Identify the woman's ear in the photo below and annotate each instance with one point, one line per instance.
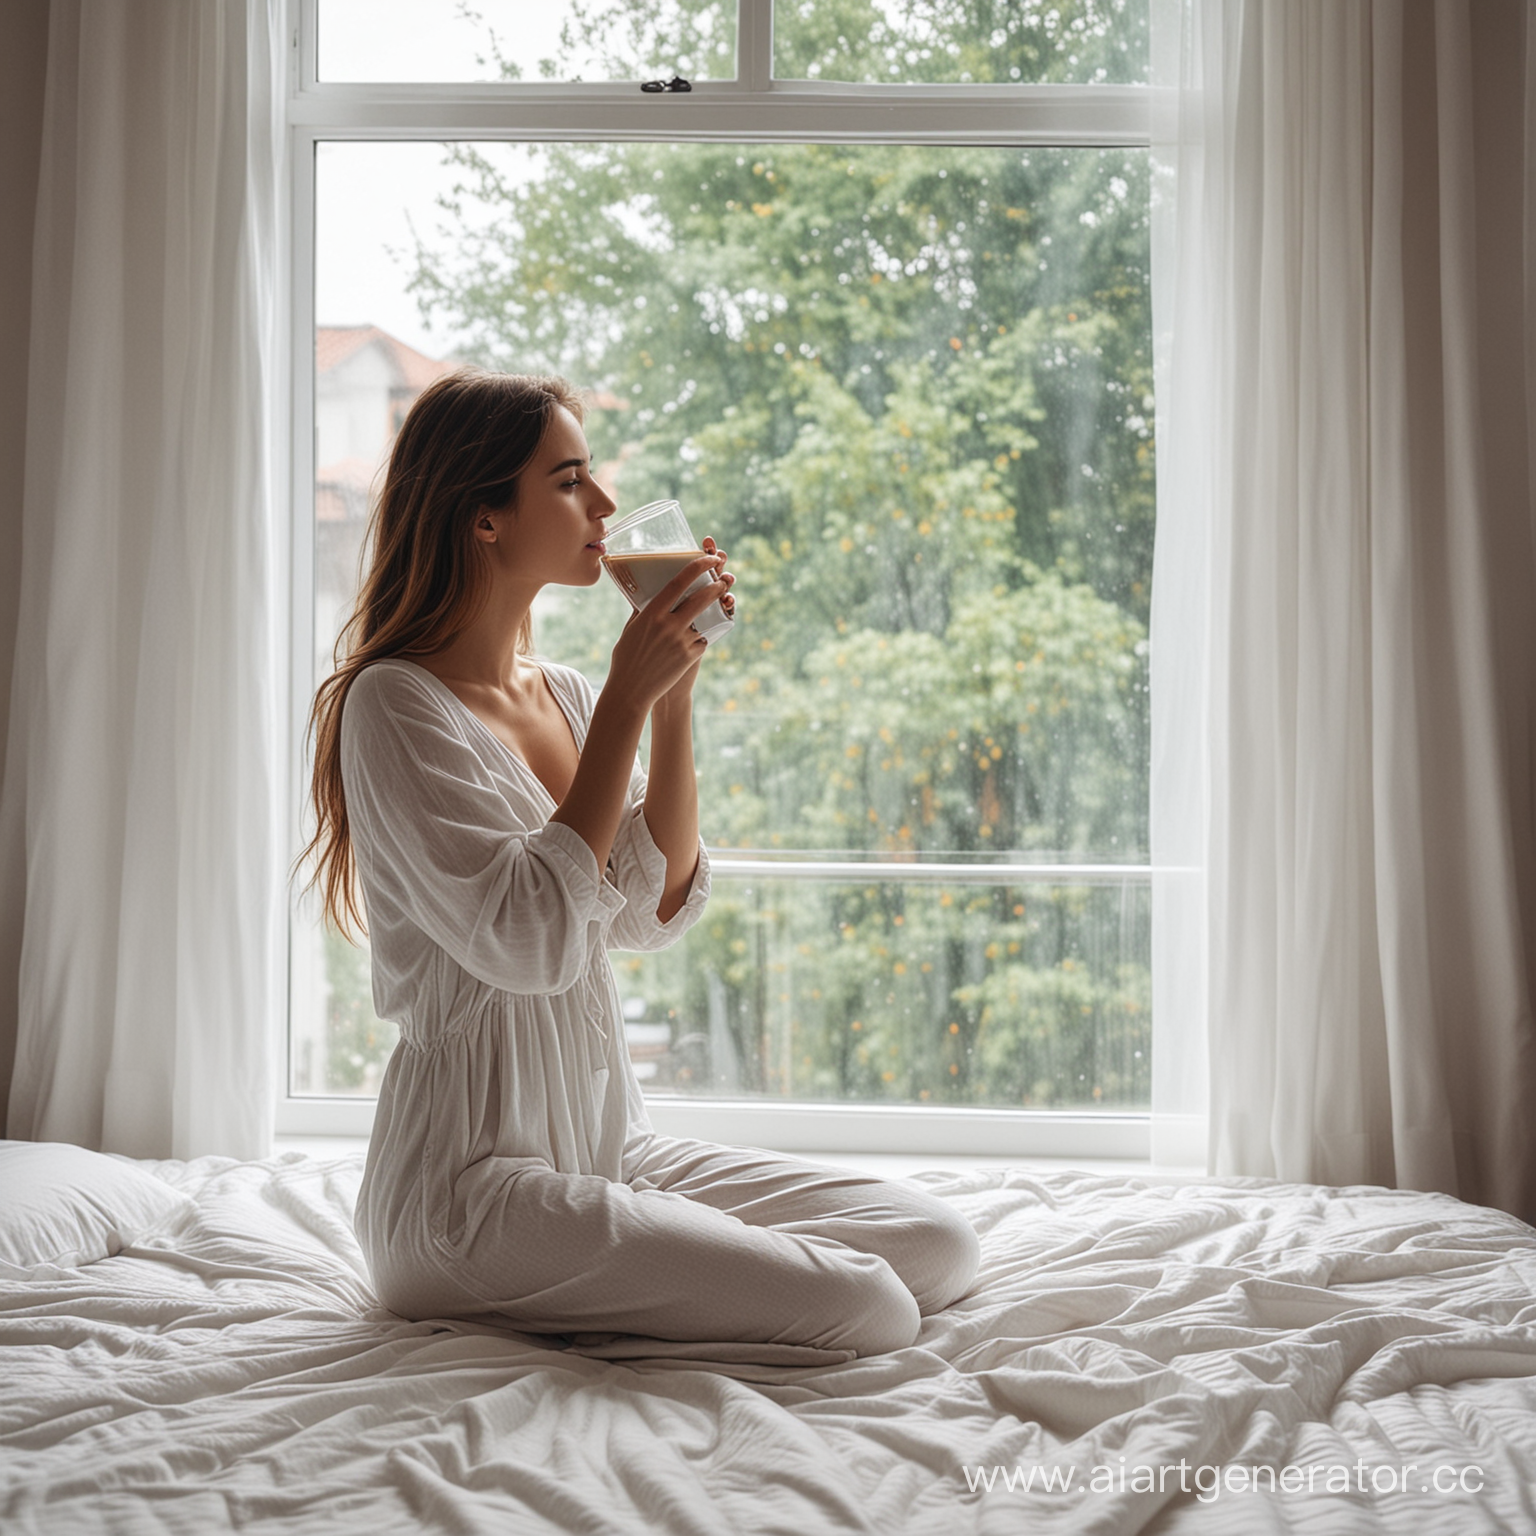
(485, 528)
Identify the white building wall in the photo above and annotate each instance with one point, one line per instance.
(352, 407)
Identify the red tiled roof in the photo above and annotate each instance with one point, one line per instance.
(334, 344)
(352, 473)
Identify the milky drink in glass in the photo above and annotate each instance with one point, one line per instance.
(645, 550)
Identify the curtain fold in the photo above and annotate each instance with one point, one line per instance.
(1347, 452)
(142, 822)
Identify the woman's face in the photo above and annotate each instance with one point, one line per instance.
(554, 533)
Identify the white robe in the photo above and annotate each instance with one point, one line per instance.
(513, 1168)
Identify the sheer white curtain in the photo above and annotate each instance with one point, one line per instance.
(1343, 278)
(142, 840)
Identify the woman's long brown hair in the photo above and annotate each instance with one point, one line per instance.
(461, 449)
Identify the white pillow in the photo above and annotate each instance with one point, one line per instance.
(63, 1206)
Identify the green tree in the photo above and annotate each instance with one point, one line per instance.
(356, 1041)
(984, 41)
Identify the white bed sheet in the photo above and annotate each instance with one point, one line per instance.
(241, 1377)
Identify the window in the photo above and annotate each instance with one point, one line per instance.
(876, 313)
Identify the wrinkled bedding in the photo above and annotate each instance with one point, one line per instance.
(1370, 1352)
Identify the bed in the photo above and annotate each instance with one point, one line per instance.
(193, 1347)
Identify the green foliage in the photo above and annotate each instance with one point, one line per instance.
(661, 38)
(357, 1042)
(985, 41)
(891, 992)
(797, 334)
(909, 389)
(1064, 1035)
(874, 41)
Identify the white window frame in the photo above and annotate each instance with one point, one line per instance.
(753, 108)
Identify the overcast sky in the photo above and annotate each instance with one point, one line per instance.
(366, 195)
(436, 40)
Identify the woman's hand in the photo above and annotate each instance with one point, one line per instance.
(659, 650)
(654, 663)
(656, 650)
(671, 794)
(728, 602)
(680, 694)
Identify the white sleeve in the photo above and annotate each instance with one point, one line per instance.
(640, 872)
(516, 906)
(639, 867)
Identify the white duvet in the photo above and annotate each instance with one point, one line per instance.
(1130, 1356)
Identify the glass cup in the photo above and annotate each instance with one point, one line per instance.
(645, 550)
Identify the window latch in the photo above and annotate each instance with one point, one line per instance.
(676, 83)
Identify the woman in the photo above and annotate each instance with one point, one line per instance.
(492, 812)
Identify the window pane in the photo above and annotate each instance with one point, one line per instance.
(910, 390)
(1078, 42)
(884, 990)
(421, 41)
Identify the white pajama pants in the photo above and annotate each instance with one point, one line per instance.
(705, 1243)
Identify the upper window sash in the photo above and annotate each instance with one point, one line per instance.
(754, 107)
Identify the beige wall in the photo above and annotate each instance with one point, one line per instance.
(23, 60)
